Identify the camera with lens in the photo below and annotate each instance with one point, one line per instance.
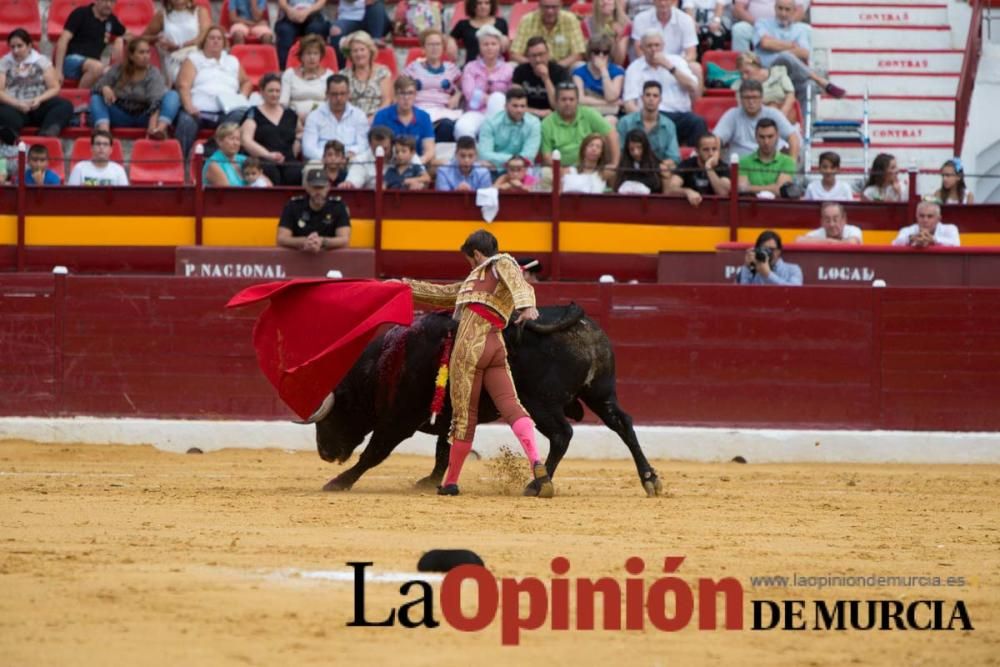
(762, 253)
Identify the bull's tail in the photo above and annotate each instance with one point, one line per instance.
(570, 315)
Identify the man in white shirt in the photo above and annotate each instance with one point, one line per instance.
(99, 169)
(929, 230)
(737, 128)
(337, 119)
(746, 13)
(678, 30)
(678, 83)
(833, 227)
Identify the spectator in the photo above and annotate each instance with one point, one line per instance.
(512, 132)
(783, 41)
(609, 18)
(953, 189)
(479, 13)
(335, 164)
(516, 176)
(833, 227)
(337, 119)
(38, 172)
(296, 19)
(711, 23)
(599, 80)
(928, 230)
(357, 15)
(766, 169)
(748, 12)
(99, 169)
(778, 91)
(224, 167)
(639, 165)
(704, 173)
(4, 170)
(134, 94)
(87, 31)
(176, 29)
(484, 82)
(659, 129)
(539, 77)
(253, 174)
(738, 126)
(314, 222)
(561, 30)
(213, 88)
(403, 118)
(249, 17)
(303, 88)
(29, 90)
(635, 7)
(361, 173)
(270, 133)
(764, 265)
(406, 171)
(883, 180)
(829, 188)
(462, 174)
(678, 84)
(591, 173)
(370, 82)
(413, 17)
(566, 129)
(678, 36)
(438, 89)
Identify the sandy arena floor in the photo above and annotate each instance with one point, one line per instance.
(116, 555)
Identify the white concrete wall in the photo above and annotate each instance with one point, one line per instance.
(981, 149)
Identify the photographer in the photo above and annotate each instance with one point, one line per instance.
(764, 265)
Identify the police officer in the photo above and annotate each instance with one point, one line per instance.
(314, 222)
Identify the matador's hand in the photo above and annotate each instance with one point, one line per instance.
(529, 313)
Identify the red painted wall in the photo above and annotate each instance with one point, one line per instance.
(923, 359)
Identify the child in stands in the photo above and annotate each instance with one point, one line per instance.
(517, 178)
(406, 171)
(829, 188)
(253, 174)
(883, 180)
(953, 189)
(38, 172)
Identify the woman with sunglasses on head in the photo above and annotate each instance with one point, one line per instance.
(599, 80)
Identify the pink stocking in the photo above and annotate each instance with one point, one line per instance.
(456, 457)
(524, 429)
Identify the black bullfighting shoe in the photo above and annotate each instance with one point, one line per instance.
(448, 490)
(545, 487)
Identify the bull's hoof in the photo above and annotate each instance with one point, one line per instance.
(532, 489)
(429, 483)
(545, 487)
(336, 484)
(652, 485)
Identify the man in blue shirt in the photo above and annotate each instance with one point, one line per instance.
(405, 119)
(659, 129)
(462, 174)
(764, 265)
(511, 132)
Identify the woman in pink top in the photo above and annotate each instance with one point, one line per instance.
(438, 91)
(484, 83)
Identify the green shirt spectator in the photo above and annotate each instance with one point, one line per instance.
(566, 136)
(765, 172)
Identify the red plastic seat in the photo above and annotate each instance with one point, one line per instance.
(59, 11)
(257, 60)
(457, 15)
(387, 56)
(57, 159)
(712, 108)
(20, 14)
(226, 23)
(156, 163)
(329, 58)
(518, 12)
(582, 9)
(81, 151)
(80, 98)
(135, 15)
(724, 59)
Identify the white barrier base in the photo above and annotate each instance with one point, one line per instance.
(595, 442)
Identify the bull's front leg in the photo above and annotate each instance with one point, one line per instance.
(379, 447)
(441, 450)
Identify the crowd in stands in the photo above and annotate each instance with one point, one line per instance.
(616, 89)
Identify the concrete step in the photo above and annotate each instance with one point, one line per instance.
(924, 156)
(887, 108)
(852, 37)
(941, 132)
(878, 14)
(914, 85)
(912, 61)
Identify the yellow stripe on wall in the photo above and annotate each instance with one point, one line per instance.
(8, 230)
(260, 232)
(450, 234)
(608, 237)
(89, 230)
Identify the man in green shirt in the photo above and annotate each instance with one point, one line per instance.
(566, 129)
(766, 170)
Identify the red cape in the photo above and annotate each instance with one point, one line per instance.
(315, 329)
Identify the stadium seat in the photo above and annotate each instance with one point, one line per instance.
(81, 151)
(135, 15)
(387, 56)
(80, 97)
(329, 58)
(712, 108)
(156, 163)
(402, 41)
(582, 9)
(57, 159)
(226, 23)
(457, 15)
(59, 11)
(20, 14)
(257, 60)
(724, 59)
(517, 12)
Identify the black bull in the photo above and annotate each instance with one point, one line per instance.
(559, 361)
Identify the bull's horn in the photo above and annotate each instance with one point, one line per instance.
(321, 412)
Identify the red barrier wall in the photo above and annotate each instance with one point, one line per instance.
(921, 359)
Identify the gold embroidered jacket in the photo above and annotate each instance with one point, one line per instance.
(498, 283)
